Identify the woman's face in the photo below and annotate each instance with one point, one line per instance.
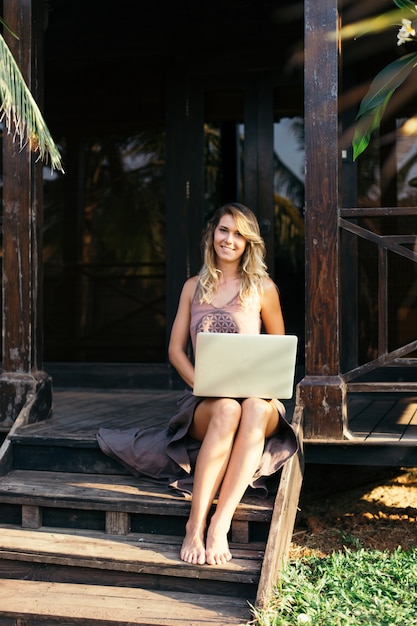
(229, 244)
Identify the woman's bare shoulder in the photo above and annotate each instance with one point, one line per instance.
(269, 286)
(190, 286)
(271, 312)
(270, 293)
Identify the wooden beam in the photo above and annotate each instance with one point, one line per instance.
(22, 226)
(322, 392)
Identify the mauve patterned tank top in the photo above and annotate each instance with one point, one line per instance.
(230, 318)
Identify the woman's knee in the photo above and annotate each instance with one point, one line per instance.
(259, 413)
(221, 414)
(226, 414)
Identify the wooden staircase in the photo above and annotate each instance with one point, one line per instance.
(83, 542)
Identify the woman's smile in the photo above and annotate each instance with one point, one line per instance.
(228, 242)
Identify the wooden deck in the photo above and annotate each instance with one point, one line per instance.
(81, 412)
(388, 417)
(381, 428)
(88, 396)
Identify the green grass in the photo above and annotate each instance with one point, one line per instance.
(349, 588)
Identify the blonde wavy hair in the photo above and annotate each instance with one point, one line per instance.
(252, 264)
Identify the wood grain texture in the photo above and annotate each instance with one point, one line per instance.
(67, 604)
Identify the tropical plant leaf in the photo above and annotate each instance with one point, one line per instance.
(373, 105)
(405, 4)
(387, 80)
(3, 23)
(366, 125)
(375, 24)
(21, 113)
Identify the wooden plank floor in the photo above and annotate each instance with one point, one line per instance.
(385, 416)
(80, 413)
(84, 411)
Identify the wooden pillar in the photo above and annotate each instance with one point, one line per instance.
(258, 159)
(349, 244)
(22, 229)
(184, 184)
(322, 393)
(72, 254)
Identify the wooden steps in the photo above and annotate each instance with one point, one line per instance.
(138, 561)
(115, 504)
(30, 603)
(140, 571)
(84, 542)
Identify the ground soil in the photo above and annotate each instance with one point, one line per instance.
(355, 507)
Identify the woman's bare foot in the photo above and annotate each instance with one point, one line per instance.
(193, 550)
(217, 546)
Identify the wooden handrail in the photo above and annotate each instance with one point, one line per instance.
(283, 516)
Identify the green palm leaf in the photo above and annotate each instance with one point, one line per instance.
(375, 24)
(406, 4)
(21, 113)
(367, 123)
(373, 105)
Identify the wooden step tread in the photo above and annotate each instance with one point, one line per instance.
(67, 440)
(110, 493)
(54, 604)
(372, 440)
(147, 554)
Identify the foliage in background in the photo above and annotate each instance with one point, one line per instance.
(21, 113)
(346, 589)
(391, 77)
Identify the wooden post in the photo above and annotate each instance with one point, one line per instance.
(22, 229)
(322, 393)
(258, 159)
(184, 184)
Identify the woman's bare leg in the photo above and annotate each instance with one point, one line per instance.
(259, 420)
(215, 424)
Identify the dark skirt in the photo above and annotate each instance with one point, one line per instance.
(169, 454)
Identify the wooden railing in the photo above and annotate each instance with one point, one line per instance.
(385, 243)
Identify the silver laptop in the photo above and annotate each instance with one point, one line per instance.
(229, 365)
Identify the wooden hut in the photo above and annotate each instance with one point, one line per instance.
(184, 98)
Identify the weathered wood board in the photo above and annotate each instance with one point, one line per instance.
(33, 602)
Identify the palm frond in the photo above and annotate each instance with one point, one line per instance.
(7, 27)
(405, 4)
(376, 24)
(21, 113)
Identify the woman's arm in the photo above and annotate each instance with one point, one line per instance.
(271, 312)
(180, 333)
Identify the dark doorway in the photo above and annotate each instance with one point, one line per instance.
(162, 115)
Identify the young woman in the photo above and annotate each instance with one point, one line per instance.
(222, 445)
